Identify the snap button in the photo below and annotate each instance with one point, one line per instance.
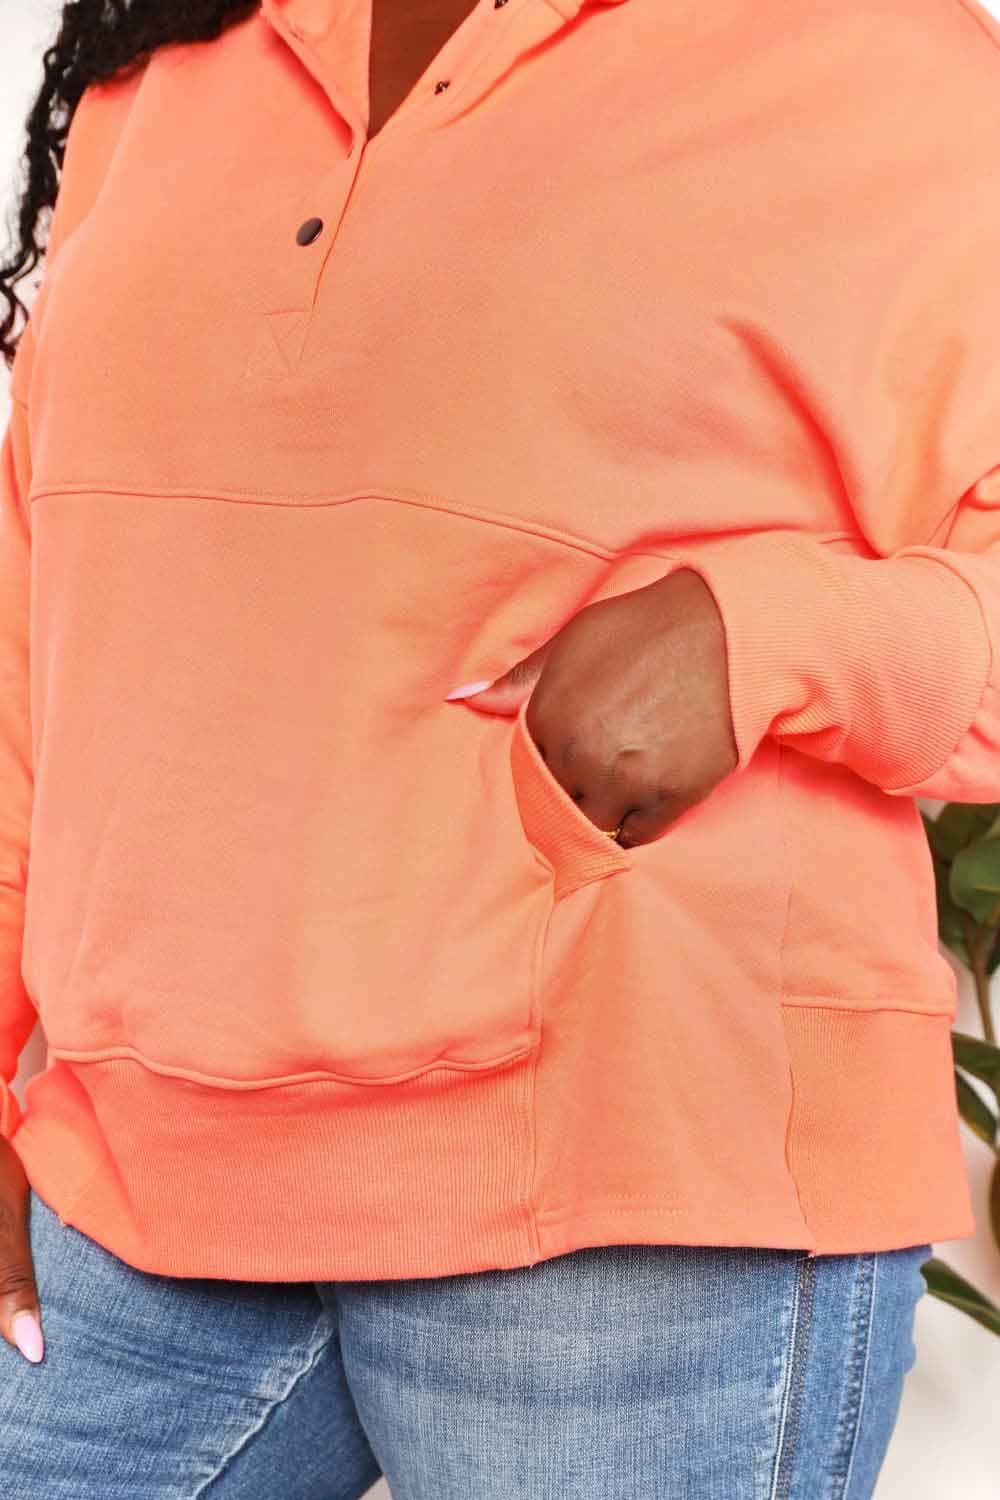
(443, 84)
(308, 231)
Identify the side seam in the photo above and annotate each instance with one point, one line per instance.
(790, 876)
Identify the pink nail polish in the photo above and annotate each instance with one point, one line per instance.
(468, 688)
(28, 1336)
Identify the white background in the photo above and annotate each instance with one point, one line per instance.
(945, 1444)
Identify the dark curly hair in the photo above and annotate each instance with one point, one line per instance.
(97, 40)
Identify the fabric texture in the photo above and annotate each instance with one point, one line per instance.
(607, 1373)
(336, 979)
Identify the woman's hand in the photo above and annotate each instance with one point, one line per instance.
(629, 704)
(18, 1292)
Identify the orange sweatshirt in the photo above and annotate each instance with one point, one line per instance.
(336, 979)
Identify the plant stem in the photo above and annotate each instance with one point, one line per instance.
(979, 941)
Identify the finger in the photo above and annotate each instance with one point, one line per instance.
(630, 825)
(640, 814)
(612, 792)
(650, 821)
(20, 1311)
(506, 694)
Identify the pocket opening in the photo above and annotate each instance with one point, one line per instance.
(575, 849)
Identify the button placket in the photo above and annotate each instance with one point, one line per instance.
(463, 51)
(444, 83)
(473, 54)
(527, 24)
(296, 258)
(281, 341)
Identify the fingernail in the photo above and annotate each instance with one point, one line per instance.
(468, 688)
(28, 1336)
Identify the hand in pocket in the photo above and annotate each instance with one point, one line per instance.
(628, 704)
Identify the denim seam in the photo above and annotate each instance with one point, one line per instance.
(795, 1386)
(869, 1321)
(272, 1406)
(849, 1423)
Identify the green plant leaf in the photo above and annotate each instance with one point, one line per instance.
(951, 920)
(957, 825)
(945, 1283)
(975, 1111)
(974, 880)
(939, 844)
(993, 962)
(978, 1057)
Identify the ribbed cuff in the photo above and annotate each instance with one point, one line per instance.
(877, 662)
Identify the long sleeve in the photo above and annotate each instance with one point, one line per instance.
(93, 132)
(871, 635)
(17, 1013)
(888, 665)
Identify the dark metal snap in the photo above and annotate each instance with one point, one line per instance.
(308, 231)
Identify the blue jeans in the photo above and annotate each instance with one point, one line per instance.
(624, 1372)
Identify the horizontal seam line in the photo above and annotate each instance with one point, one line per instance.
(215, 1080)
(676, 550)
(821, 1002)
(245, 497)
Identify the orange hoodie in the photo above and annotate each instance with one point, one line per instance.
(336, 979)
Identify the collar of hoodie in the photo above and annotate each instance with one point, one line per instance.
(333, 42)
(323, 19)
